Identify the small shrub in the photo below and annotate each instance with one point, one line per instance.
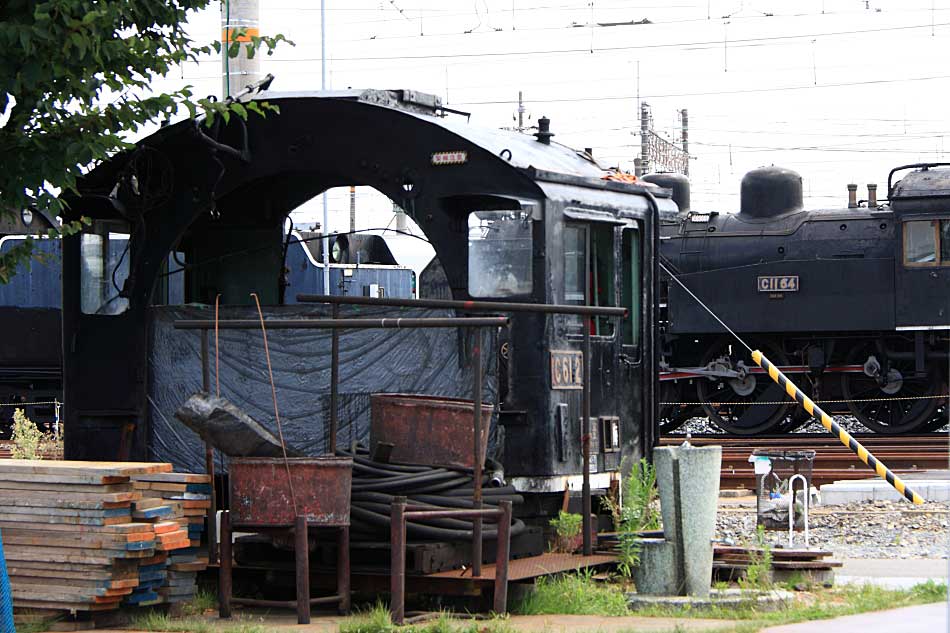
(637, 512)
(758, 575)
(27, 439)
(568, 527)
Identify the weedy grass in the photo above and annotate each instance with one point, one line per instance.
(573, 594)
(153, 620)
(203, 601)
(376, 620)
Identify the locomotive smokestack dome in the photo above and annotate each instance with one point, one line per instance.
(677, 182)
(768, 192)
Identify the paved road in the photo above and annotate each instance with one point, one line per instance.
(927, 618)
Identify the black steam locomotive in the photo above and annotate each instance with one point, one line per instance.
(853, 303)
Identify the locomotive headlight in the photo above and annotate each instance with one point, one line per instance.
(336, 251)
(27, 216)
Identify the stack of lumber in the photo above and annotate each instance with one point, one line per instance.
(78, 535)
(176, 503)
(808, 565)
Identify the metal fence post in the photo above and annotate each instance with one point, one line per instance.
(397, 572)
(502, 549)
(302, 559)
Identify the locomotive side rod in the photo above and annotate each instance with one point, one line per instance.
(831, 426)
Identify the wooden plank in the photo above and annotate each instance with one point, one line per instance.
(159, 486)
(63, 495)
(80, 468)
(7, 511)
(62, 520)
(178, 478)
(63, 480)
(91, 574)
(53, 487)
(20, 580)
(88, 541)
(71, 606)
(125, 527)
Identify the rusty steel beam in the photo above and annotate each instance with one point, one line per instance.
(302, 560)
(472, 306)
(477, 461)
(344, 324)
(397, 569)
(334, 383)
(224, 571)
(209, 451)
(585, 446)
(502, 554)
(343, 569)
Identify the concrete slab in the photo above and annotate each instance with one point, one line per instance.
(891, 573)
(928, 618)
(931, 485)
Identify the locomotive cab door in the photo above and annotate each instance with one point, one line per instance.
(923, 274)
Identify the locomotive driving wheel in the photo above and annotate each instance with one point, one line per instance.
(750, 403)
(889, 396)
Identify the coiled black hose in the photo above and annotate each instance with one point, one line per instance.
(376, 485)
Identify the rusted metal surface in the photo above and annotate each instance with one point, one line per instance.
(470, 306)
(445, 424)
(532, 567)
(302, 558)
(399, 513)
(478, 451)
(224, 571)
(265, 490)
(344, 324)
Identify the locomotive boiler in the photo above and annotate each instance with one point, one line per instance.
(853, 303)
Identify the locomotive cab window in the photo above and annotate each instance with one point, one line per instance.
(631, 290)
(927, 243)
(589, 270)
(104, 253)
(499, 253)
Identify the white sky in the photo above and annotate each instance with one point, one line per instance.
(839, 90)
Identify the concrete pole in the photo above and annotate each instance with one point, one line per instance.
(685, 122)
(645, 138)
(521, 111)
(323, 86)
(352, 209)
(240, 20)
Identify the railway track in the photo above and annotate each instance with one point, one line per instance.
(833, 461)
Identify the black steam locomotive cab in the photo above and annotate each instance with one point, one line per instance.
(921, 205)
(852, 301)
(510, 216)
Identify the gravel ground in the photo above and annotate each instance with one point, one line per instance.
(872, 529)
(697, 426)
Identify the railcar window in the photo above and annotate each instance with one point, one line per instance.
(945, 242)
(575, 266)
(589, 271)
(499, 253)
(920, 243)
(105, 267)
(631, 290)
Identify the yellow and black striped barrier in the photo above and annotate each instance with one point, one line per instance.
(815, 411)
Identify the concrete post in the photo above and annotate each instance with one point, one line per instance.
(688, 483)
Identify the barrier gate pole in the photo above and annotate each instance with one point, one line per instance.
(815, 411)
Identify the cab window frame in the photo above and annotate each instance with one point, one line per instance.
(569, 295)
(939, 248)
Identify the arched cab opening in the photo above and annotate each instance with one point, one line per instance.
(497, 207)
